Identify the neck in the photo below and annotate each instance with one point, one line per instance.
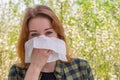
(49, 67)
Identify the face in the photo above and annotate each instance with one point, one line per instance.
(41, 26)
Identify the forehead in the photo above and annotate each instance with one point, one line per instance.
(39, 23)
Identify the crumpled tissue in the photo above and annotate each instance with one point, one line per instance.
(57, 46)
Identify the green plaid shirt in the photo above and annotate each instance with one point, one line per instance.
(77, 69)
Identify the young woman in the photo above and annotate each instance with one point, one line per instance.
(41, 20)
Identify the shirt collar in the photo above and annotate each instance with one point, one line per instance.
(59, 70)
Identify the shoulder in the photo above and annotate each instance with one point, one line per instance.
(80, 68)
(13, 70)
(15, 67)
(78, 62)
(16, 71)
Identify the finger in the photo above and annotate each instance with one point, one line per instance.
(49, 51)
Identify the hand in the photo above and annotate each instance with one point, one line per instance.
(39, 57)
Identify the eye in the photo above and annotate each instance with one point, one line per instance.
(48, 33)
(34, 34)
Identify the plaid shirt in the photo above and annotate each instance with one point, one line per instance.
(77, 69)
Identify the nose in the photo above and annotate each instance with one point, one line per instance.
(41, 34)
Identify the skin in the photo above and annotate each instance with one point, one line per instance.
(40, 26)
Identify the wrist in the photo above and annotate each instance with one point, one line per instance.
(35, 67)
(33, 72)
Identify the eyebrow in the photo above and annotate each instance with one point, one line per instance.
(36, 30)
(48, 29)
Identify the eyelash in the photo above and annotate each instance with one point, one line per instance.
(35, 34)
(48, 33)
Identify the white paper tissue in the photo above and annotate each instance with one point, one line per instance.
(57, 46)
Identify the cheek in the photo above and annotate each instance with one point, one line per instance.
(53, 35)
(29, 37)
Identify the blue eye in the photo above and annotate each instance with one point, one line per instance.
(48, 33)
(34, 34)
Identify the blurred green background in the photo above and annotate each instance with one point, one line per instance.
(92, 28)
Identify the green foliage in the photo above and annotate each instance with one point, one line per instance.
(92, 28)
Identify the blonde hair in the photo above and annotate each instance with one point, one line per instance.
(44, 11)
